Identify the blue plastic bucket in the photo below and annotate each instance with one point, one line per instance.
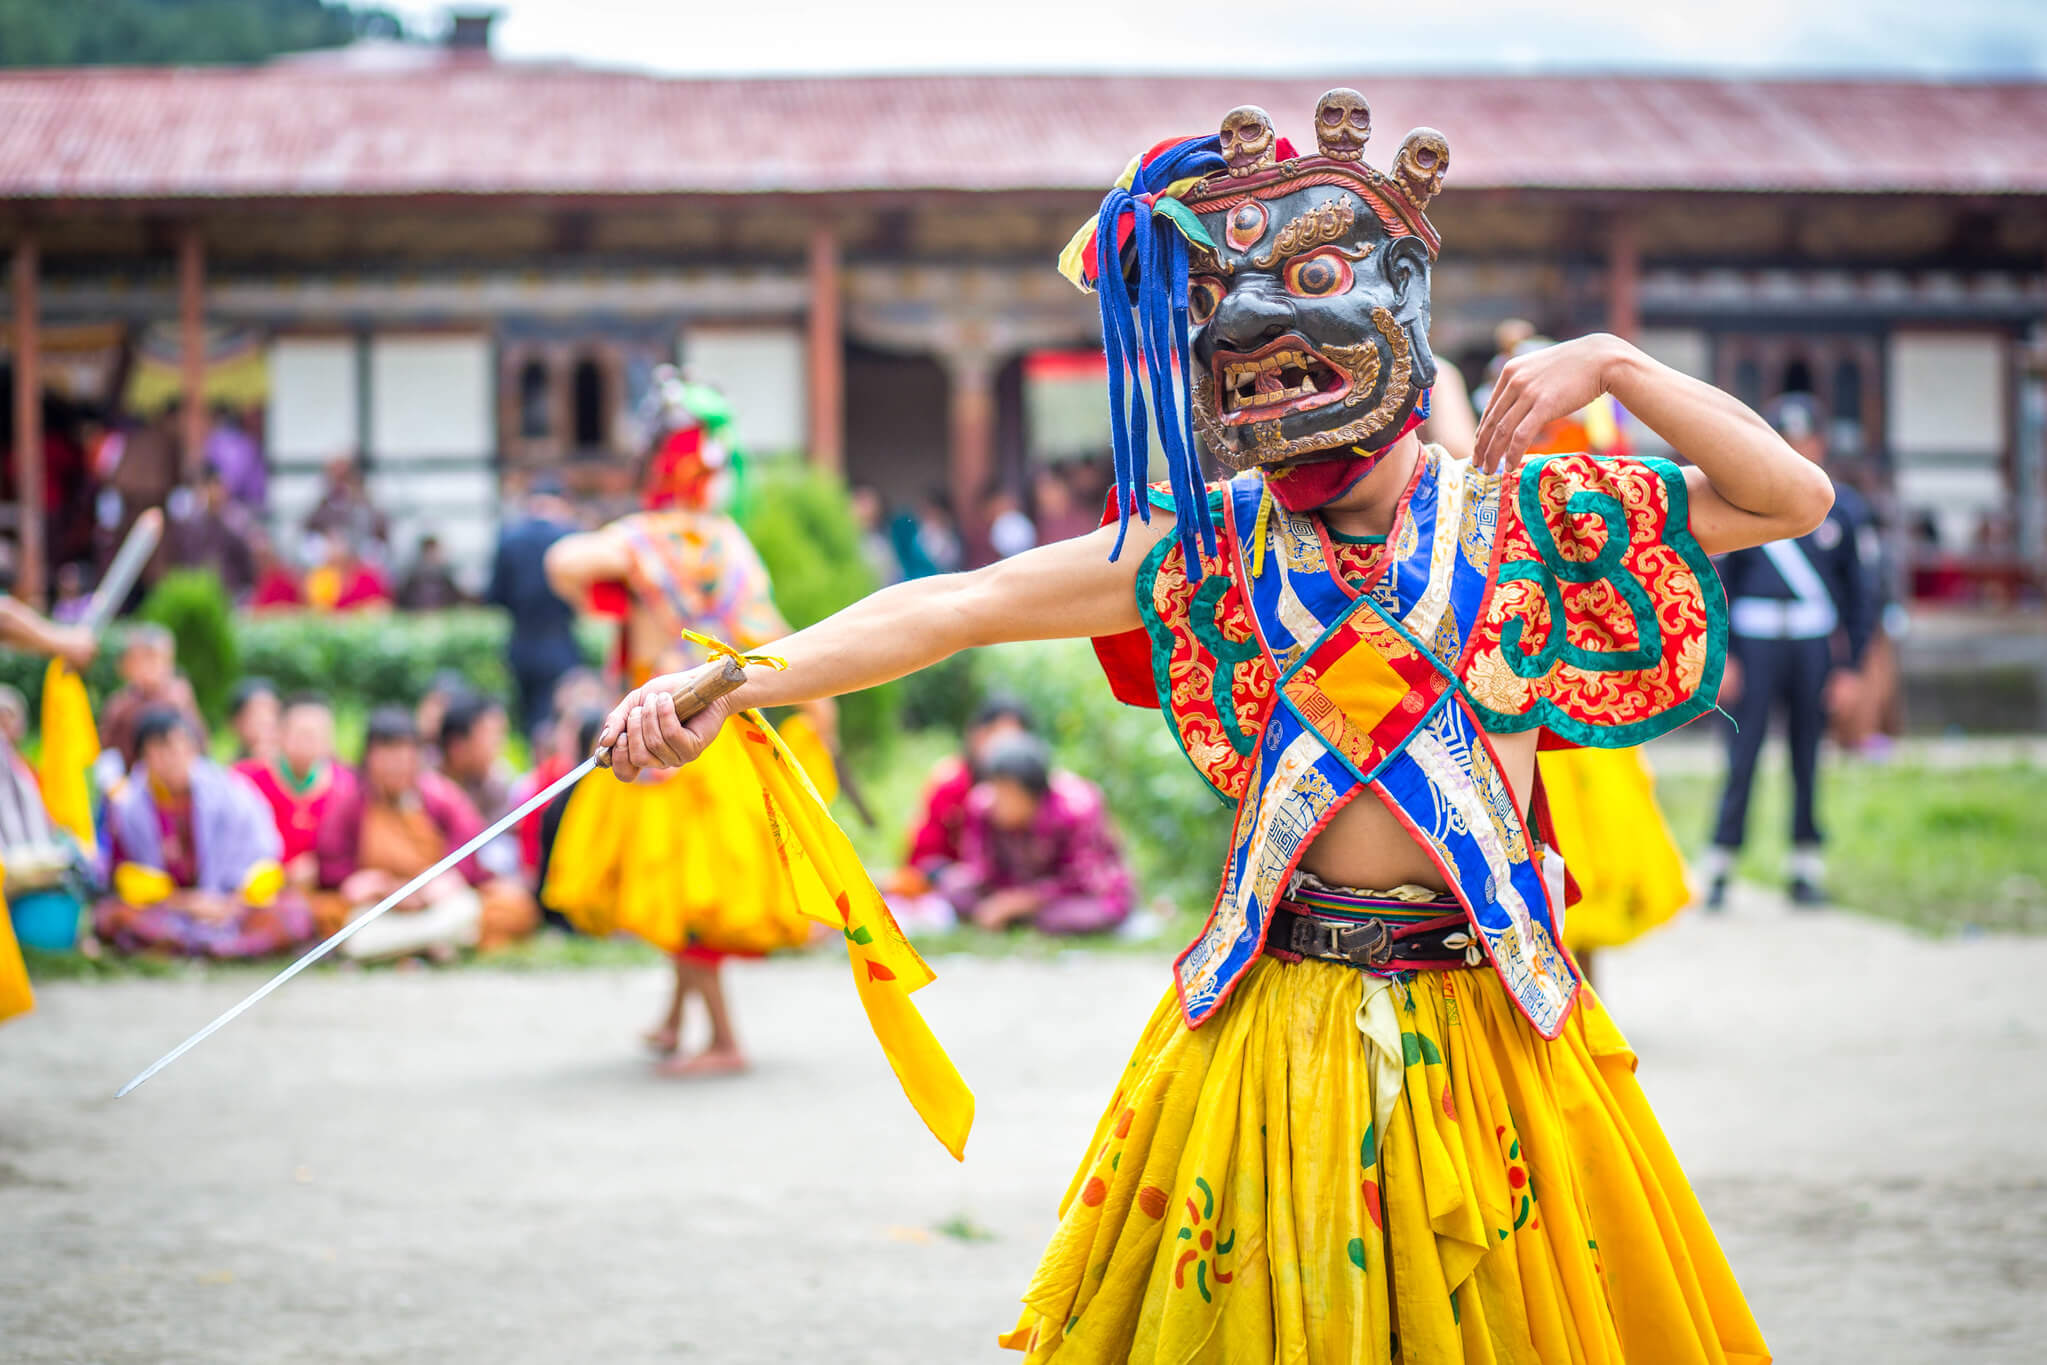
(47, 920)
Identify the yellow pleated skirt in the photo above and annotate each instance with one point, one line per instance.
(684, 860)
(1339, 1168)
(1630, 874)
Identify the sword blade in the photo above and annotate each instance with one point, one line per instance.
(128, 564)
(347, 931)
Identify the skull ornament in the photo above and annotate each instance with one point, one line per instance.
(1343, 123)
(1248, 140)
(1424, 157)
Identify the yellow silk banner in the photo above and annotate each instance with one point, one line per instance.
(831, 886)
(70, 745)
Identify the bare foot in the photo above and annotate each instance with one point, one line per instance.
(709, 1062)
(662, 1041)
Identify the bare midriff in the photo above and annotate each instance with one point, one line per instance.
(1365, 847)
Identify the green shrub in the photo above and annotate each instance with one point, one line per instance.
(192, 605)
(799, 519)
(375, 660)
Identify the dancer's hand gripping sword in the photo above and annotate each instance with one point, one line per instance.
(695, 690)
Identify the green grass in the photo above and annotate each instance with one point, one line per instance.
(1944, 850)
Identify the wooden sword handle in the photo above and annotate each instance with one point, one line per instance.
(694, 691)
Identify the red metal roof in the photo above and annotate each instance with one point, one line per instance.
(312, 128)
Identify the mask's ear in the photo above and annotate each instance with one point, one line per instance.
(1406, 264)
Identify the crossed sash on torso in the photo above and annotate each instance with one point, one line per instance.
(1369, 696)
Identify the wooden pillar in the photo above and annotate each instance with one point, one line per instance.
(28, 422)
(827, 356)
(1623, 278)
(192, 345)
(971, 426)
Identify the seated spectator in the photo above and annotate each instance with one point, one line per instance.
(1060, 516)
(473, 729)
(394, 823)
(150, 681)
(577, 691)
(342, 580)
(277, 583)
(195, 856)
(1010, 530)
(209, 531)
(574, 737)
(935, 838)
(345, 514)
(252, 714)
(233, 458)
(38, 857)
(431, 585)
(74, 597)
(443, 688)
(870, 514)
(298, 781)
(13, 716)
(1036, 848)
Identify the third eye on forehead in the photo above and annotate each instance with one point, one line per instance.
(1263, 234)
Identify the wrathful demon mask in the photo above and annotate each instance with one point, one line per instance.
(1298, 342)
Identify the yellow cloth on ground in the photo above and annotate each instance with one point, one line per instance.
(16, 995)
(1630, 875)
(70, 746)
(1253, 1195)
(736, 852)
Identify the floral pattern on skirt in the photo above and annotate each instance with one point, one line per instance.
(1345, 1168)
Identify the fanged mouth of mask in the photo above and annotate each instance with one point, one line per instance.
(1286, 377)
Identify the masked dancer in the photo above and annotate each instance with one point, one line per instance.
(1378, 1116)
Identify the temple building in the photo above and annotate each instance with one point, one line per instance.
(461, 270)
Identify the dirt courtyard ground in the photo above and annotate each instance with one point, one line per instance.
(475, 1166)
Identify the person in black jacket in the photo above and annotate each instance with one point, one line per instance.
(1801, 614)
(543, 641)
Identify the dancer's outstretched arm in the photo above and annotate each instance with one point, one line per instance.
(1065, 589)
(24, 628)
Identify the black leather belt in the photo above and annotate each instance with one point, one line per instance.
(1375, 944)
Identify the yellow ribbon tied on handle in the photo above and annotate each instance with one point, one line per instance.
(829, 884)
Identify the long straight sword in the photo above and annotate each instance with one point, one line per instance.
(129, 561)
(695, 690)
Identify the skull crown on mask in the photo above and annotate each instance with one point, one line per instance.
(1311, 318)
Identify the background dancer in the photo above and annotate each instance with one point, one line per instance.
(687, 862)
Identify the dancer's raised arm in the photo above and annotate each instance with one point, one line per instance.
(1069, 588)
(1747, 485)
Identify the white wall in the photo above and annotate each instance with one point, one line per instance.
(763, 372)
(311, 416)
(430, 397)
(1947, 416)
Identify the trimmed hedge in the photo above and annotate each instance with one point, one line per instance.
(356, 659)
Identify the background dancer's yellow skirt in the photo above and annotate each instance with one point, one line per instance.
(1617, 844)
(685, 861)
(1339, 1168)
